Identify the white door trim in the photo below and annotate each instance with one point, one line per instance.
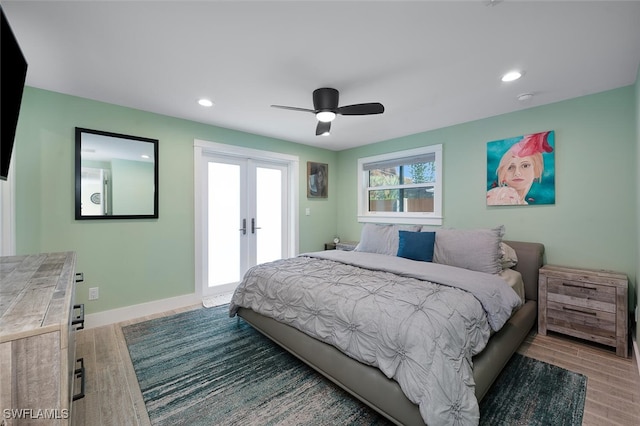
(7, 215)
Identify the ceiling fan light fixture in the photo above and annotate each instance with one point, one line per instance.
(325, 116)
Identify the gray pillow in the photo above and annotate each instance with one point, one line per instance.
(383, 239)
(474, 249)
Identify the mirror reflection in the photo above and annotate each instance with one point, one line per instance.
(116, 176)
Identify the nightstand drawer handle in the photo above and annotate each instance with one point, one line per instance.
(579, 311)
(580, 286)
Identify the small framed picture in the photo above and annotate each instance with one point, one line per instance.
(317, 180)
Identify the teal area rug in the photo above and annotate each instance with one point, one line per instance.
(531, 392)
(203, 368)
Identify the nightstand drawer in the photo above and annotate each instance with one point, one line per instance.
(583, 294)
(570, 319)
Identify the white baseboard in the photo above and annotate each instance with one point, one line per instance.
(136, 311)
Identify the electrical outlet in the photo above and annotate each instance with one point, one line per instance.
(93, 293)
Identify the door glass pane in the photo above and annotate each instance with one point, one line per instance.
(268, 214)
(224, 223)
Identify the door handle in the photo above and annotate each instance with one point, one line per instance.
(253, 225)
(244, 227)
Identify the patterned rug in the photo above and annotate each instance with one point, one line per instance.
(203, 368)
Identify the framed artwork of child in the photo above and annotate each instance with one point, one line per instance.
(521, 170)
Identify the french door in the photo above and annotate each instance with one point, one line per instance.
(246, 216)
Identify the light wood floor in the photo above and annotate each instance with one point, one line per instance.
(113, 396)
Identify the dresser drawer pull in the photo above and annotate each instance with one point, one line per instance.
(579, 311)
(79, 319)
(580, 286)
(79, 373)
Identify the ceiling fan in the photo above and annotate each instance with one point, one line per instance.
(325, 104)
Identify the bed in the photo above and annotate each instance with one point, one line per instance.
(364, 378)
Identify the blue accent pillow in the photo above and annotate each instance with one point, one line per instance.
(416, 245)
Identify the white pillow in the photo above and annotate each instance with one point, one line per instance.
(474, 249)
(508, 256)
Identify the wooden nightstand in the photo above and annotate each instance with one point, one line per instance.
(585, 303)
(342, 245)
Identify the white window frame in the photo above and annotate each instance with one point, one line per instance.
(417, 218)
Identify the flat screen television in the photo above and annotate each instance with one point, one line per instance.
(13, 72)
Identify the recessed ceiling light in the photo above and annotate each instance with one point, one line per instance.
(145, 156)
(205, 102)
(511, 76)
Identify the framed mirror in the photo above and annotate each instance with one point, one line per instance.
(116, 176)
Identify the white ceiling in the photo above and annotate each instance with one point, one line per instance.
(432, 64)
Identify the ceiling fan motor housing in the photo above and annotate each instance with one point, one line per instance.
(325, 99)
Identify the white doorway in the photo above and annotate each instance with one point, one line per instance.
(245, 212)
(96, 193)
(7, 215)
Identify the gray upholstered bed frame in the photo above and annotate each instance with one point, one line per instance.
(369, 385)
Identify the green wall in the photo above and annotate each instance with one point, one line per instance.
(593, 223)
(131, 187)
(131, 261)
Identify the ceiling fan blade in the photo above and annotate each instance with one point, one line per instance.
(361, 109)
(323, 128)
(293, 108)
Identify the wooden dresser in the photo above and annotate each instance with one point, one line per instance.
(585, 303)
(37, 348)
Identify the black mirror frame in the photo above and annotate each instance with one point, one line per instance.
(78, 174)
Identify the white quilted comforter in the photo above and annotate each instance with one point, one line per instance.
(388, 312)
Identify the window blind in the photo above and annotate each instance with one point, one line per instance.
(404, 161)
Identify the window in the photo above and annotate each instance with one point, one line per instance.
(401, 187)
